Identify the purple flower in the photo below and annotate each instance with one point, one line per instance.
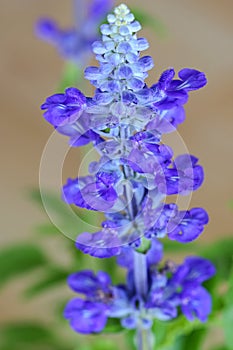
(169, 93)
(194, 270)
(186, 226)
(62, 109)
(196, 303)
(89, 284)
(86, 316)
(167, 120)
(102, 244)
(147, 153)
(182, 226)
(194, 299)
(125, 120)
(79, 132)
(75, 43)
(185, 176)
(92, 192)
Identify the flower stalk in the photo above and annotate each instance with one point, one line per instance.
(131, 183)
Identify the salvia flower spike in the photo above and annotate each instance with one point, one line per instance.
(131, 184)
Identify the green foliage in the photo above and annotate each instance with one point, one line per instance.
(113, 326)
(221, 254)
(71, 220)
(18, 259)
(228, 314)
(71, 76)
(177, 247)
(166, 333)
(47, 229)
(53, 276)
(27, 336)
(193, 339)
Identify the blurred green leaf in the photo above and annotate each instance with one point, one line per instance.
(26, 332)
(71, 76)
(167, 333)
(59, 310)
(18, 259)
(195, 338)
(104, 344)
(113, 326)
(146, 19)
(70, 220)
(221, 254)
(47, 229)
(228, 314)
(177, 247)
(52, 277)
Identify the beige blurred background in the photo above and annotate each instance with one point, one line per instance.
(199, 35)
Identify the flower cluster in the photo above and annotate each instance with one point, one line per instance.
(75, 43)
(131, 183)
(170, 288)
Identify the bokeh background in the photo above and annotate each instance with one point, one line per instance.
(198, 34)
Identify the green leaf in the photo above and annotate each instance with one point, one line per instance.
(221, 254)
(69, 220)
(228, 314)
(59, 310)
(177, 247)
(53, 277)
(113, 326)
(26, 333)
(19, 259)
(104, 344)
(71, 76)
(47, 229)
(195, 338)
(166, 333)
(30, 335)
(146, 19)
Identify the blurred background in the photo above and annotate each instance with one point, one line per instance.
(198, 35)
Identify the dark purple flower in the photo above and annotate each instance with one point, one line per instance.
(167, 120)
(92, 192)
(194, 270)
(185, 176)
(72, 193)
(86, 316)
(169, 93)
(79, 132)
(98, 9)
(47, 29)
(89, 284)
(186, 226)
(62, 109)
(191, 79)
(102, 244)
(196, 303)
(182, 226)
(146, 157)
(75, 43)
